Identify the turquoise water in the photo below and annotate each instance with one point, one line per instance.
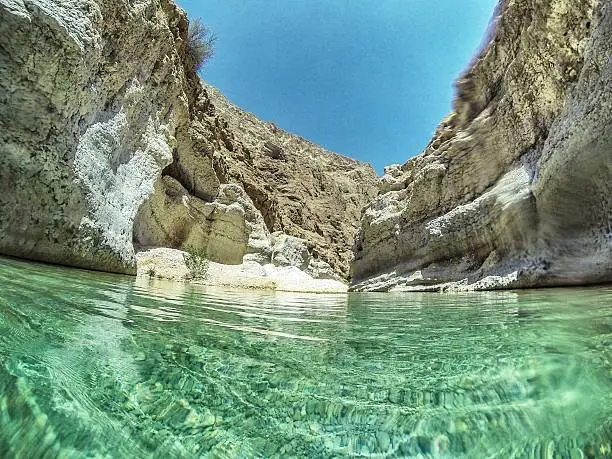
(96, 365)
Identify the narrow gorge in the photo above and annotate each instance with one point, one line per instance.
(111, 149)
(180, 279)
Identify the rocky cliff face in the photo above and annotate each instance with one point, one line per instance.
(106, 144)
(300, 188)
(514, 189)
(88, 118)
(242, 181)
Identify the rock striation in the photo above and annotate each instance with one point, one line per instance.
(514, 189)
(108, 147)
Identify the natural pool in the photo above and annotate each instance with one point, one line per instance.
(96, 365)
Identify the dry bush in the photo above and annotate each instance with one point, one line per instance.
(196, 262)
(200, 45)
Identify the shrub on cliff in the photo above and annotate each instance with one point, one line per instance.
(200, 45)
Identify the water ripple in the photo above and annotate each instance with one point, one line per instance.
(96, 365)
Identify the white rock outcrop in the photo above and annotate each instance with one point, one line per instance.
(163, 263)
(88, 118)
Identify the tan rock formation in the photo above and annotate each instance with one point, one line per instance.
(227, 228)
(514, 188)
(105, 142)
(279, 183)
(300, 188)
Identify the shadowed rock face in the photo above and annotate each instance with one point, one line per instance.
(105, 143)
(514, 188)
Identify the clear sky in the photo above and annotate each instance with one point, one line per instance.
(370, 79)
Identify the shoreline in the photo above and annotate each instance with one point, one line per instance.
(215, 287)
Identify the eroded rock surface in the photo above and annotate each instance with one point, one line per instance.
(300, 188)
(269, 186)
(88, 118)
(514, 189)
(106, 143)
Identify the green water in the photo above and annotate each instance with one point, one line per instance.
(95, 365)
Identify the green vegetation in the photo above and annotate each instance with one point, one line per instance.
(200, 46)
(196, 262)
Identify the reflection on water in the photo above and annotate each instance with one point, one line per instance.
(96, 365)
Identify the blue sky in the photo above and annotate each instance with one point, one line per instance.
(370, 79)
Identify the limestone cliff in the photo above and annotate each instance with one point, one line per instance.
(106, 144)
(514, 189)
(88, 118)
(279, 183)
(300, 188)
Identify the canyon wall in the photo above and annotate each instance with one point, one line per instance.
(107, 146)
(243, 182)
(515, 188)
(300, 188)
(88, 118)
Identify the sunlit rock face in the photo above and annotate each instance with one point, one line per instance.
(109, 141)
(300, 188)
(514, 189)
(267, 184)
(88, 117)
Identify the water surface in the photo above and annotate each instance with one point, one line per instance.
(96, 365)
